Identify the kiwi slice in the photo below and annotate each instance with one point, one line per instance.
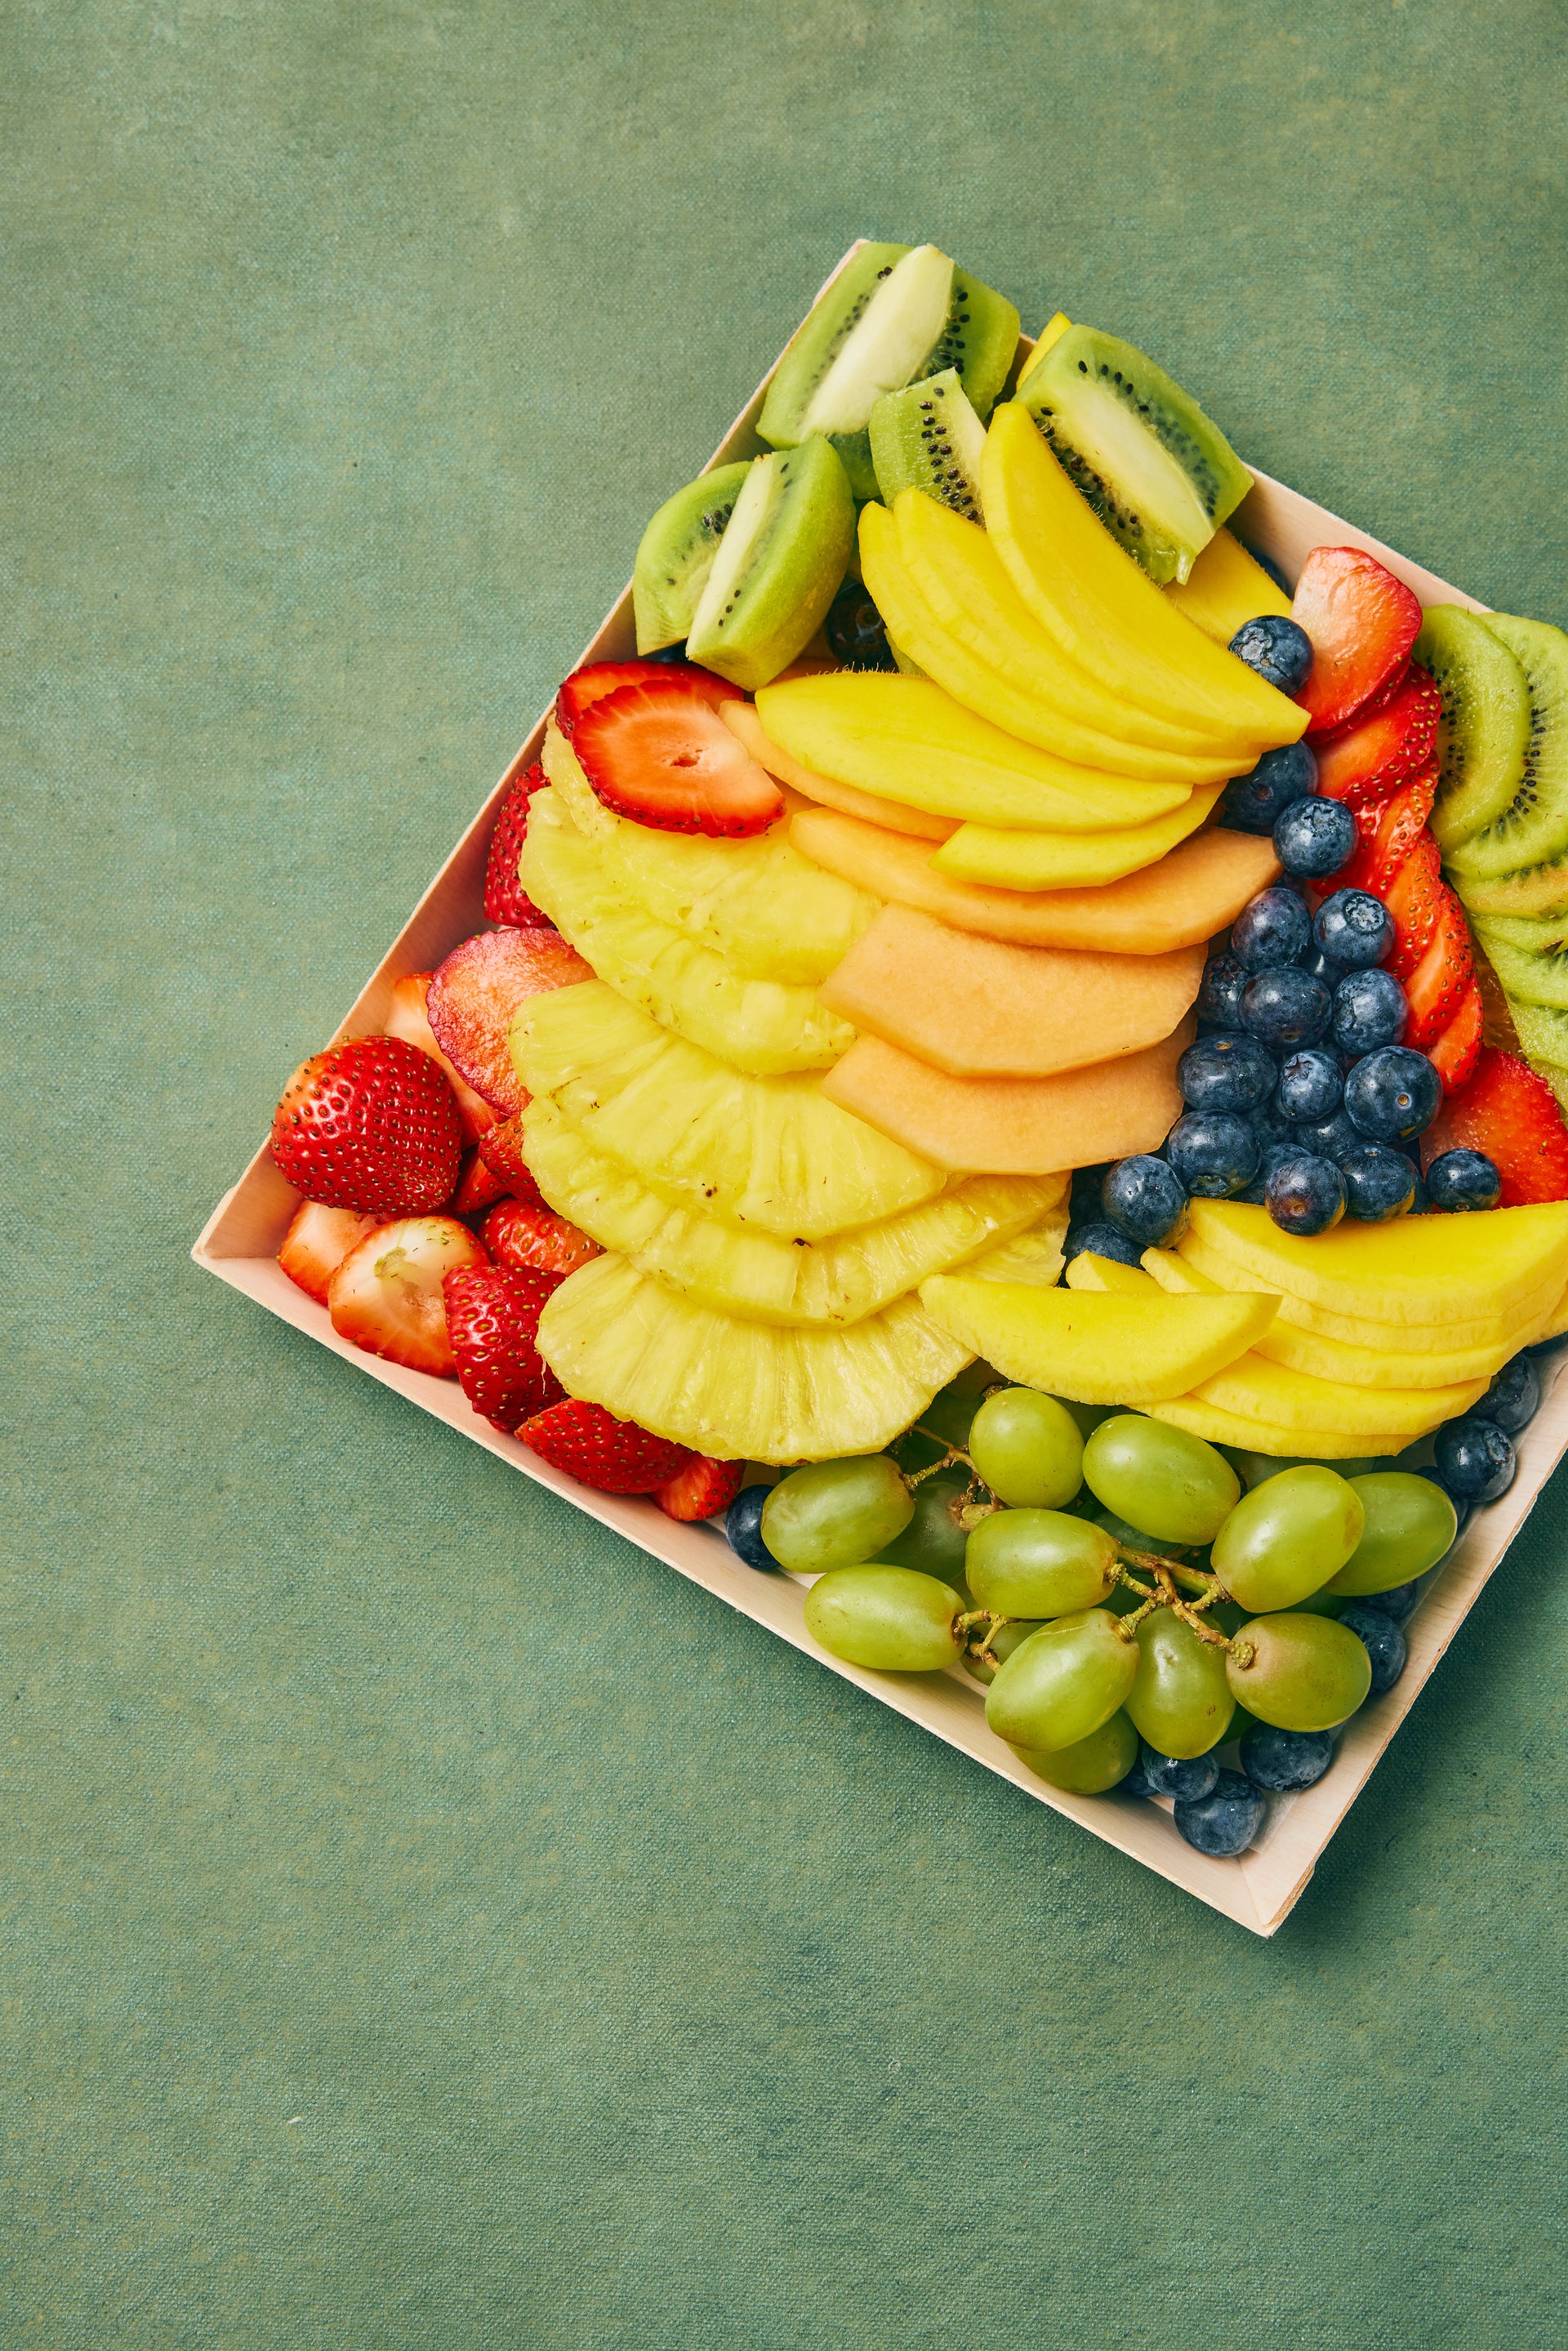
(778, 565)
(1155, 469)
(980, 338)
(676, 555)
(1534, 827)
(1529, 959)
(1543, 1032)
(1539, 890)
(1484, 726)
(873, 331)
(927, 437)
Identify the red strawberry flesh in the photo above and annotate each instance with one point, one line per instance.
(407, 1017)
(502, 1151)
(1511, 1116)
(664, 758)
(492, 1319)
(590, 683)
(505, 900)
(1361, 622)
(370, 1125)
(473, 999)
(1435, 987)
(386, 1296)
(699, 1489)
(535, 1240)
(1369, 759)
(1454, 1054)
(316, 1242)
(614, 1456)
(479, 1189)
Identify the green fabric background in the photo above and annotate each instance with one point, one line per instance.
(426, 1921)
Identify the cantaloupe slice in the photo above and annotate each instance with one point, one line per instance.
(1419, 1271)
(1000, 858)
(1189, 895)
(1224, 588)
(980, 1008)
(827, 791)
(1091, 1346)
(1013, 1126)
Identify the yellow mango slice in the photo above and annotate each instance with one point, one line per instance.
(1420, 1270)
(1092, 1347)
(1206, 1420)
(1261, 1390)
(1059, 861)
(1518, 1328)
(1089, 1271)
(1055, 326)
(745, 725)
(1556, 1322)
(1224, 588)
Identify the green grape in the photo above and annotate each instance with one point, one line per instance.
(1040, 1564)
(948, 1416)
(1326, 1603)
(1177, 1486)
(1252, 1468)
(1241, 1722)
(934, 1541)
(1089, 1766)
(1001, 1644)
(1063, 1682)
(975, 1379)
(1088, 1416)
(833, 1513)
(1180, 1701)
(892, 1617)
(1028, 1448)
(1410, 1523)
(1307, 1673)
(1288, 1537)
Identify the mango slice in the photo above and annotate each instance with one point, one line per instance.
(1258, 1389)
(1224, 588)
(827, 791)
(1089, 1271)
(1520, 1327)
(1420, 1270)
(1206, 1420)
(1058, 861)
(1096, 1348)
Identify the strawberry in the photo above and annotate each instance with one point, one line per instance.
(614, 1456)
(663, 757)
(1454, 1054)
(493, 1318)
(1512, 1114)
(502, 1152)
(1366, 760)
(1437, 987)
(386, 1296)
(590, 683)
(370, 1125)
(1362, 621)
(701, 1488)
(316, 1242)
(535, 1240)
(406, 1017)
(505, 900)
(1414, 896)
(479, 1189)
(474, 995)
(1388, 835)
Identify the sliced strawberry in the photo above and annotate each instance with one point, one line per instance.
(502, 1151)
(505, 900)
(615, 1457)
(474, 999)
(492, 1320)
(1436, 988)
(316, 1242)
(1388, 835)
(407, 1019)
(386, 1296)
(1362, 621)
(1368, 760)
(1454, 1054)
(1512, 1114)
(535, 1240)
(664, 758)
(479, 1189)
(700, 1489)
(370, 1125)
(590, 683)
(1414, 898)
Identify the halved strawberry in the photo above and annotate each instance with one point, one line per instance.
(386, 1296)
(1454, 1054)
(407, 1019)
(1512, 1114)
(535, 1240)
(492, 1320)
(479, 1189)
(505, 900)
(700, 1489)
(1366, 760)
(1362, 621)
(316, 1242)
(590, 683)
(615, 1457)
(663, 757)
(370, 1125)
(1388, 835)
(502, 1151)
(474, 995)
(1436, 988)
(1414, 897)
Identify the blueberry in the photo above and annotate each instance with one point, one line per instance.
(1461, 1503)
(1219, 996)
(1278, 649)
(1384, 1642)
(1275, 1153)
(1330, 1138)
(1399, 1604)
(1270, 1123)
(1311, 1086)
(1105, 1239)
(1475, 1459)
(1285, 1760)
(1369, 1010)
(1225, 1820)
(1271, 930)
(1255, 803)
(1463, 1179)
(1144, 1198)
(1285, 1009)
(855, 630)
(1137, 1782)
(1378, 1183)
(1226, 1073)
(1314, 837)
(1354, 929)
(1187, 1778)
(1213, 1152)
(1513, 1398)
(742, 1527)
(1305, 1195)
(1393, 1095)
(1266, 563)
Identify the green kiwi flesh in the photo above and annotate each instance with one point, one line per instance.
(927, 437)
(676, 554)
(817, 343)
(1156, 470)
(981, 340)
(1543, 1032)
(778, 566)
(1539, 890)
(1534, 828)
(1529, 959)
(872, 331)
(1484, 728)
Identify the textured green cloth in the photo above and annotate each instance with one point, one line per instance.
(426, 1921)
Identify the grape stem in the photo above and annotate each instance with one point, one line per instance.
(993, 1624)
(1163, 1593)
(971, 1510)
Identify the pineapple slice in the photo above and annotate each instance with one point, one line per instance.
(1035, 1256)
(736, 1389)
(768, 1152)
(766, 909)
(756, 1025)
(838, 1281)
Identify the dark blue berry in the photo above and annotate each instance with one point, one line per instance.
(1285, 1760)
(1255, 803)
(1305, 1195)
(1475, 1459)
(855, 630)
(1330, 1138)
(1314, 837)
(1369, 1010)
(1285, 1009)
(1463, 1179)
(1185, 1776)
(1271, 930)
(1144, 1197)
(1383, 1640)
(1219, 996)
(1462, 1503)
(1225, 1820)
(1311, 1086)
(1226, 1073)
(742, 1527)
(1379, 1183)
(1399, 1604)
(1270, 1122)
(1138, 1782)
(1393, 1095)
(1513, 1398)
(1104, 1239)
(1274, 1155)
(1266, 563)
(1213, 1152)
(1355, 930)
(1277, 648)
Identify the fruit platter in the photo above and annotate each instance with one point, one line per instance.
(989, 1083)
